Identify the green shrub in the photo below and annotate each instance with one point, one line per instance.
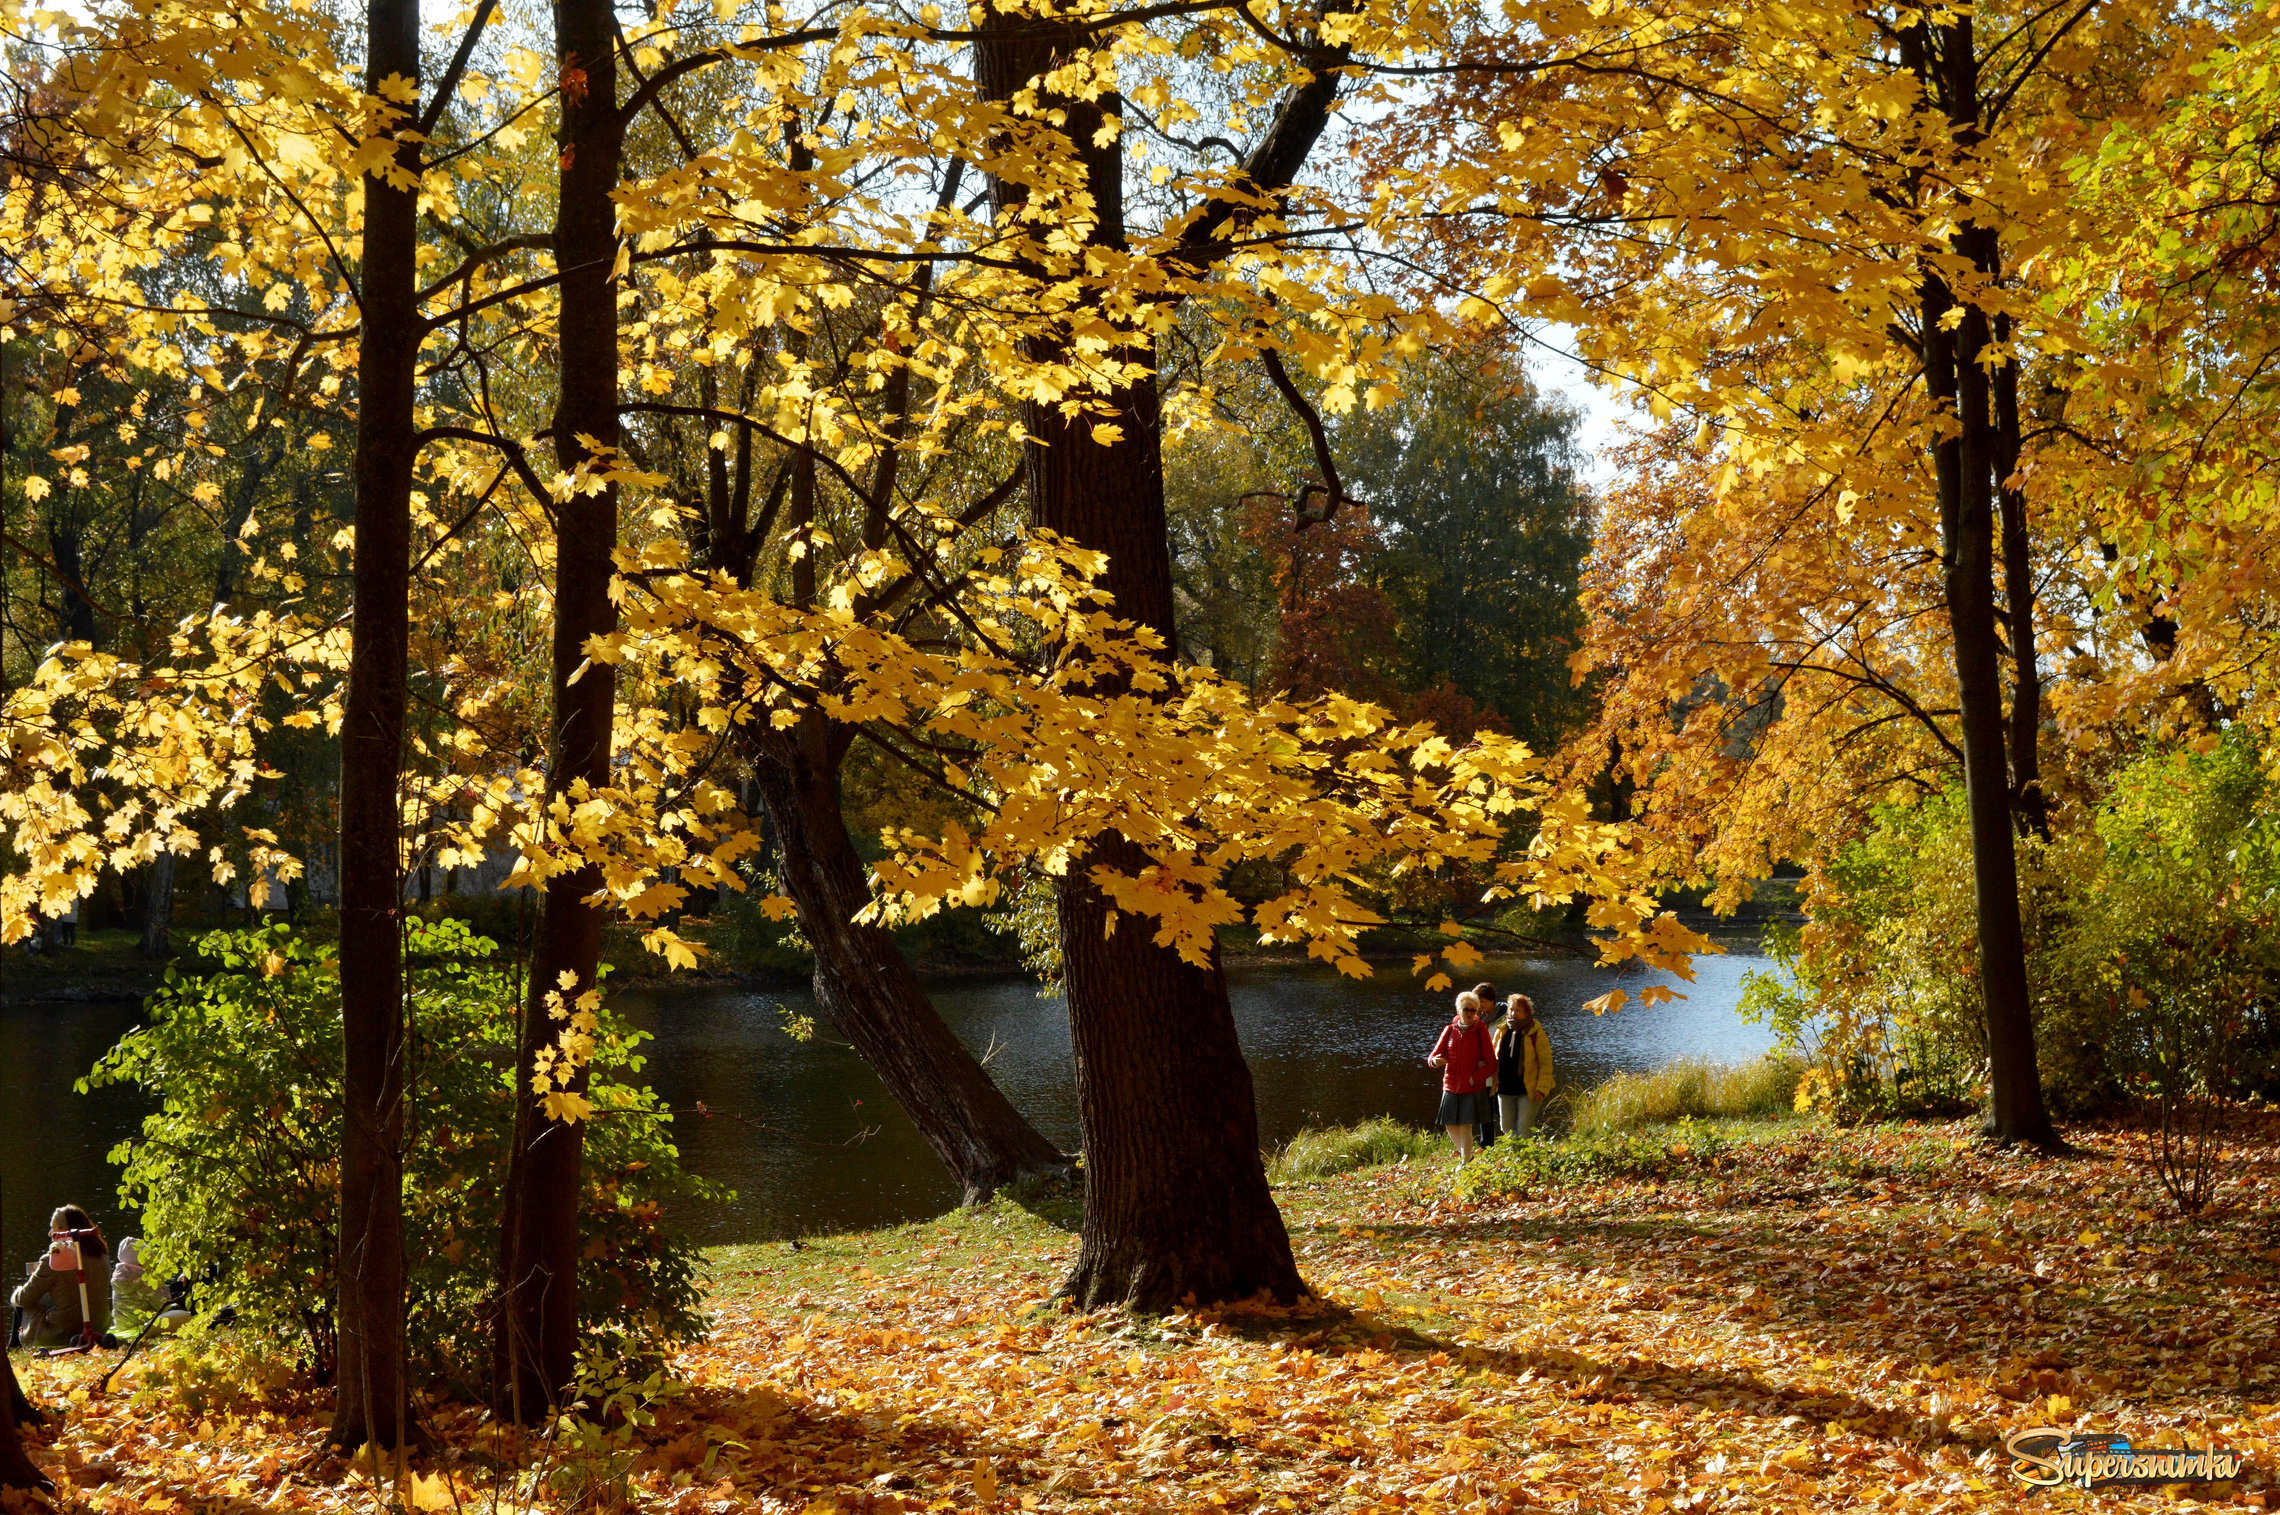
(237, 1174)
(1535, 1165)
(2152, 923)
(1342, 1149)
(1690, 1087)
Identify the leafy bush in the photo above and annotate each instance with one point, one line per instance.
(1342, 1149)
(2152, 922)
(1885, 980)
(237, 1173)
(1690, 1088)
(2174, 948)
(1535, 1165)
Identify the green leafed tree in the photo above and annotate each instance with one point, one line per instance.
(1473, 479)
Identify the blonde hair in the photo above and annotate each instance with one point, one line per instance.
(1468, 1001)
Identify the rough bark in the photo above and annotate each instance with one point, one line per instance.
(865, 986)
(534, 1341)
(368, 1396)
(1964, 465)
(17, 1470)
(1177, 1206)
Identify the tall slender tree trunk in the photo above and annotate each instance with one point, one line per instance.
(534, 1343)
(1177, 1206)
(1964, 464)
(864, 984)
(2030, 804)
(369, 1394)
(158, 904)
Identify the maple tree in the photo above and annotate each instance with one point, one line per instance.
(839, 458)
(505, 284)
(534, 1348)
(373, 1396)
(731, 233)
(1847, 581)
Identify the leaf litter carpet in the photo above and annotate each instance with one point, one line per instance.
(1847, 1321)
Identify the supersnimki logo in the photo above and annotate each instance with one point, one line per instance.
(2047, 1458)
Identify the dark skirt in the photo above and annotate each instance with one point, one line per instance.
(1466, 1109)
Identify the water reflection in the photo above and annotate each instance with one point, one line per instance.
(54, 1143)
(810, 1142)
(808, 1139)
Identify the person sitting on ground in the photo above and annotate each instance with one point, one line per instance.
(1523, 1065)
(50, 1298)
(132, 1292)
(1467, 1062)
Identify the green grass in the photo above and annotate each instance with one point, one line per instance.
(1314, 1154)
(1784, 1149)
(105, 965)
(1014, 1237)
(1690, 1088)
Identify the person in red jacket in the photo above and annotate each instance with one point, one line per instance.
(1466, 1056)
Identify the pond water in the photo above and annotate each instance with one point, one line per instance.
(810, 1142)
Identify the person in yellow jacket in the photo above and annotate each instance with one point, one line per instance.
(1523, 1066)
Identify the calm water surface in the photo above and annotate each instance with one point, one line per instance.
(810, 1142)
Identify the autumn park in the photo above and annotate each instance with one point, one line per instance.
(1139, 755)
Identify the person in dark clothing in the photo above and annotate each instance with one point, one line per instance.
(70, 1285)
(1523, 1065)
(1485, 1133)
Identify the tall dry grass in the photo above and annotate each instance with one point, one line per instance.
(1342, 1149)
(1690, 1087)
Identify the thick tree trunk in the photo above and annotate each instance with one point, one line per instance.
(368, 1397)
(865, 985)
(1964, 462)
(534, 1343)
(1177, 1206)
(17, 1470)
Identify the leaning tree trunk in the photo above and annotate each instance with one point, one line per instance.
(1177, 1206)
(534, 1341)
(862, 981)
(866, 986)
(368, 1395)
(1964, 461)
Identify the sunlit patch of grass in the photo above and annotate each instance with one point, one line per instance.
(1315, 1154)
(1690, 1088)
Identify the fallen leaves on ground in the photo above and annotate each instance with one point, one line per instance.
(1828, 1322)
